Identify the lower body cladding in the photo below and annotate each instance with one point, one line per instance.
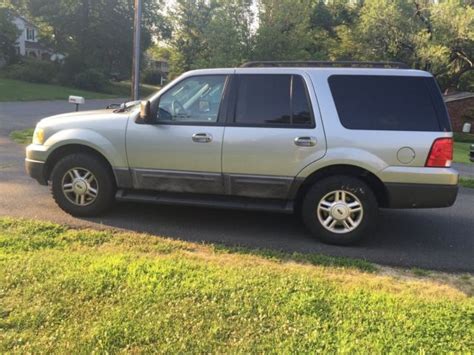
(254, 191)
(420, 195)
(256, 186)
(206, 189)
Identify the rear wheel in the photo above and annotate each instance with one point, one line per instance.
(82, 185)
(340, 210)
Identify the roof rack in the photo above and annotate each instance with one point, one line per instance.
(325, 64)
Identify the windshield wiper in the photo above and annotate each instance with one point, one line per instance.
(124, 106)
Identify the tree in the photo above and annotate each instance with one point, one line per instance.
(207, 34)
(434, 36)
(189, 20)
(95, 33)
(284, 31)
(8, 36)
(228, 34)
(160, 52)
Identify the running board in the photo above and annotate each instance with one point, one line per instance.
(213, 201)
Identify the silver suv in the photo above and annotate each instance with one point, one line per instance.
(332, 141)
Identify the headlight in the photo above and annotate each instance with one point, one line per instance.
(38, 136)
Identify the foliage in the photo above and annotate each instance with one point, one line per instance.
(463, 137)
(434, 36)
(32, 70)
(70, 291)
(94, 34)
(90, 79)
(430, 35)
(8, 36)
(283, 33)
(152, 77)
(210, 34)
(437, 36)
(158, 52)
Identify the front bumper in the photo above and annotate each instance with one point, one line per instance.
(403, 195)
(36, 169)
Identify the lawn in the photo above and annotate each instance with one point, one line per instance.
(14, 90)
(461, 152)
(462, 143)
(466, 182)
(24, 136)
(64, 290)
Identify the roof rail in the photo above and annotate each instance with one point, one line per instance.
(325, 64)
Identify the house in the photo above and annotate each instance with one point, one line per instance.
(28, 44)
(461, 109)
(160, 66)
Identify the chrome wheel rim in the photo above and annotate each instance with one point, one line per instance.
(80, 186)
(340, 212)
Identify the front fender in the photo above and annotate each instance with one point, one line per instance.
(114, 152)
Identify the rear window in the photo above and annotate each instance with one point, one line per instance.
(394, 103)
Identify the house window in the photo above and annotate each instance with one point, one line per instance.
(30, 34)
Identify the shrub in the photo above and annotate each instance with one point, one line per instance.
(35, 71)
(466, 82)
(90, 79)
(73, 65)
(151, 77)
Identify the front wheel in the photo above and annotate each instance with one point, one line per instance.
(340, 210)
(82, 185)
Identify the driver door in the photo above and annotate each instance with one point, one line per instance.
(181, 152)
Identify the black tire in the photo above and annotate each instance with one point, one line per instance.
(104, 180)
(355, 187)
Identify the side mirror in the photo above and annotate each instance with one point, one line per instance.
(145, 112)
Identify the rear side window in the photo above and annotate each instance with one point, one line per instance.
(272, 100)
(398, 103)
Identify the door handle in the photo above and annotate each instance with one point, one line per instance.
(202, 137)
(305, 141)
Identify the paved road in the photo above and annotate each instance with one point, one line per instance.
(466, 170)
(441, 239)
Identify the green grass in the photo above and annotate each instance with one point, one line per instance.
(462, 143)
(24, 136)
(15, 90)
(461, 152)
(466, 182)
(64, 290)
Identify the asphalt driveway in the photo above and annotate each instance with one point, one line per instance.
(441, 239)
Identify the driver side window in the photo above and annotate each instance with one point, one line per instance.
(195, 99)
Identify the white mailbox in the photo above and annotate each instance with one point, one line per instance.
(466, 128)
(76, 100)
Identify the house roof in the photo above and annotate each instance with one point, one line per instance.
(16, 14)
(458, 96)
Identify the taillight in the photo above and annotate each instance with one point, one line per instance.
(441, 153)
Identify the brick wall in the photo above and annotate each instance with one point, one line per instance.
(458, 110)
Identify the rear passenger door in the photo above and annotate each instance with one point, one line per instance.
(273, 131)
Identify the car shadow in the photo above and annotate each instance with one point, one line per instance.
(431, 239)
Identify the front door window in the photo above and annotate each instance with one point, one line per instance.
(196, 99)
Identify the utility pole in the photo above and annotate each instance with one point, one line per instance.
(137, 29)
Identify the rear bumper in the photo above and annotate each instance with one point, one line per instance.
(402, 195)
(36, 169)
